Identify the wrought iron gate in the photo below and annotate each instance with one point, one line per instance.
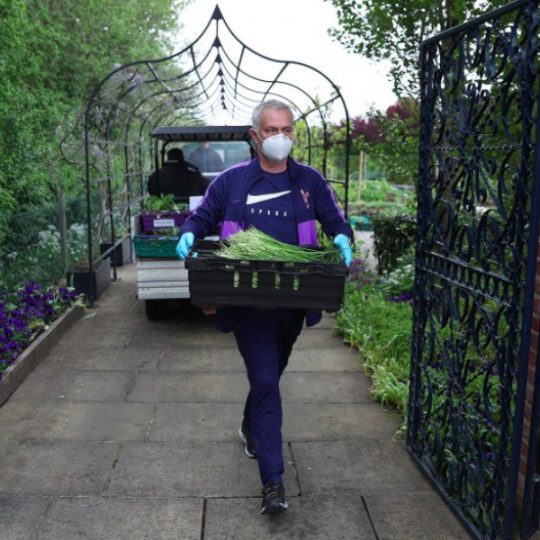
(475, 267)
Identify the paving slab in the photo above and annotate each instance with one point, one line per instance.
(318, 337)
(328, 322)
(316, 518)
(129, 430)
(177, 338)
(209, 358)
(54, 383)
(100, 324)
(20, 516)
(335, 421)
(363, 466)
(190, 387)
(196, 422)
(111, 518)
(55, 468)
(114, 358)
(75, 421)
(88, 338)
(422, 516)
(212, 469)
(324, 359)
(323, 387)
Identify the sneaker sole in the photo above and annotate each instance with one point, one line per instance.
(243, 439)
(274, 510)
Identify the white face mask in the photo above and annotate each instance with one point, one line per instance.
(277, 147)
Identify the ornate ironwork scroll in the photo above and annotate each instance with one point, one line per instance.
(475, 262)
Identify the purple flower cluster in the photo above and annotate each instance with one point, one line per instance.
(24, 313)
(359, 273)
(403, 297)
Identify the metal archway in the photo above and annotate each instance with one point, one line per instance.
(216, 79)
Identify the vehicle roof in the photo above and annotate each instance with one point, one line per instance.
(201, 133)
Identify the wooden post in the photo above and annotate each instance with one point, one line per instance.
(361, 173)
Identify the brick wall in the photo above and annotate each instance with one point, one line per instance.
(531, 376)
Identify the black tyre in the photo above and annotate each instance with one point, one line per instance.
(157, 309)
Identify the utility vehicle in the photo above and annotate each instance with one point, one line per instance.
(163, 277)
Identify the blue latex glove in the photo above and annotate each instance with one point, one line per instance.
(184, 245)
(344, 244)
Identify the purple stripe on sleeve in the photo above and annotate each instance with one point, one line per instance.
(328, 187)
(307, 233)
(228, 228)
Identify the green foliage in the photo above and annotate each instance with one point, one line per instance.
(393, 31)
(394, 234)
(388, 141)
(42, 262)
(163, 203)
(304, 140)
(397, 153)
(52, 53)
(381, 331)
(376, 318)
(378, 197)
(255, 245)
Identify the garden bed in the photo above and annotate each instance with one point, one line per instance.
(32, 356)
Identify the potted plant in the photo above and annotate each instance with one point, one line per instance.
(162, 212)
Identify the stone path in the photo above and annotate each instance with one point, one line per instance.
(128, 431)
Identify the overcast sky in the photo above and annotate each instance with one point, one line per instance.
(297, 30)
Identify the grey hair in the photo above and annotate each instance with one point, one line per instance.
(268, 104)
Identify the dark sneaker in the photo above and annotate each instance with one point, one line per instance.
(245, 436)
(273, 499)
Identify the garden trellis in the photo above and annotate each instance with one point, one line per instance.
(215, 80)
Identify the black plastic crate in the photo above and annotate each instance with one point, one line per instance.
(216, 281)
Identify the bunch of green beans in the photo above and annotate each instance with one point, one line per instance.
(254, 245)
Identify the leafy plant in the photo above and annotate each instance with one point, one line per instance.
(254, 245)
(381, 331)
(163, 203)
(24, 313)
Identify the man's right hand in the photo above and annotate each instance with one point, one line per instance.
(184, 245)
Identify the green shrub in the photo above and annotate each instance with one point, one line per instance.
(393, 235)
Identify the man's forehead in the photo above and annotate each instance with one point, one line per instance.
(276, 116)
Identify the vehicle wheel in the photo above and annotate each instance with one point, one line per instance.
(157, 309)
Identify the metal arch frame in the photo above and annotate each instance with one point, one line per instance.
(124, 97)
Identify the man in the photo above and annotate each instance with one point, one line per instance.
(177, 177)
(206, 159)
(282, 198)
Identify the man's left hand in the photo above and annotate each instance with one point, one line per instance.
(208, 310)
(344, 244)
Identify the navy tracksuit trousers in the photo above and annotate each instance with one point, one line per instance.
(265, 340)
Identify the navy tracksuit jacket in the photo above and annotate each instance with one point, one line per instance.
(286, 206)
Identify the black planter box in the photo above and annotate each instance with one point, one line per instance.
(216, 281)
(91, 283)
(122, 253)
